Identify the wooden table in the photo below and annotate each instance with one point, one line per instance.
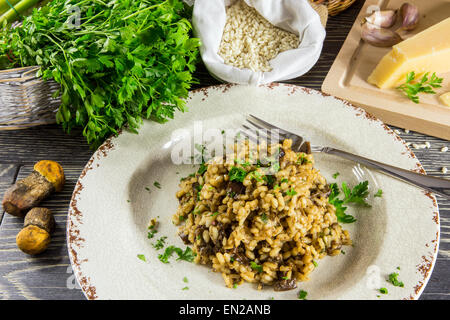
(50, 276)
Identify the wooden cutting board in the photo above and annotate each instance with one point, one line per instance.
(357, 59)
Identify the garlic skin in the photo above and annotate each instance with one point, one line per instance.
(379, 37)
(410, 16)
(383, 19)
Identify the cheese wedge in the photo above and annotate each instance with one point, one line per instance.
(445, 98)
(427, 51)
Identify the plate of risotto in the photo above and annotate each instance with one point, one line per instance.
(198, 209)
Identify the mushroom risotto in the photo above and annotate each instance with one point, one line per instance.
(264, 221)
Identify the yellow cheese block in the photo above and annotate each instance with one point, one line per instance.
(445, 98)
(427, 51)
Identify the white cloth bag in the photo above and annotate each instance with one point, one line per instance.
(296, 16)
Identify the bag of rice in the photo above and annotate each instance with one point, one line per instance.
(258, 41)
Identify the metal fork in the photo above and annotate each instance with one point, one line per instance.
(434, 184)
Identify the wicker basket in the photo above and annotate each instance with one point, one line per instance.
(335, 6)
(26, 100)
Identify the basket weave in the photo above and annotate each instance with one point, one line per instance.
(335, 6)
(26, 100)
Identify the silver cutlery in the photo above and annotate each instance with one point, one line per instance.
(299, 144)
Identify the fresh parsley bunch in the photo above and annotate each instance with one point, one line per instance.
(126, 61)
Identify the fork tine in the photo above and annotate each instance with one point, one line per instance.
(249, 135)
(265, 125)
(262, 134)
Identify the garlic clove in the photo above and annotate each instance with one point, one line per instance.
(383, 19)
(379, 37)
(410, 16)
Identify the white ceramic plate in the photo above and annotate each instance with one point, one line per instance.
(111, 207)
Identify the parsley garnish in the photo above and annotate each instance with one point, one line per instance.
(235, 286)
(157, 184)
(393, 279)
(141, 257)
(291, 192)
(302, 159)
(185, 288)
(284, 180)
(383, 291)
(379, 193)
(264, 218)
(160, 243)
(187, 255)
(302, 295)
(356, 195)
(185, 280)
(412, 88)
(315, 263)
(336, 175)
(255, 175)
(202, 169)
(256, 266)
(237, 174)
(152, 232)
(285, 278)
(270, 180)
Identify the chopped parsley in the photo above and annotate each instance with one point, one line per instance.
(147, 188)
(185, 280)
(393, 279)
(284, 180)
(383, 291)
(379, 193)
(285, 278)
(160, 243)
(152, 232)
(302, 159)
(185, 288)
(237, 174)
(356, 195)
(157, 184)
(302, 295)
(235, 286)
(335, 175)
(270, 180)
(291, 192)
(256, 266)
(255, 175)
(141, 257)
(264, 218)
(187, 255)
(202, 169)
(215, 214)
(315, 263)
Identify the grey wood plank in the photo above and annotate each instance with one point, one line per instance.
(48, 275)
(8, 174)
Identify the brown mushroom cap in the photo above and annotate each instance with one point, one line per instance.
(33, 240)
(52, 171)
(40, 217)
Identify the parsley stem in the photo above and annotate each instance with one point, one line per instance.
(143, 10)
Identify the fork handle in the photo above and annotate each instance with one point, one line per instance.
(434, 184)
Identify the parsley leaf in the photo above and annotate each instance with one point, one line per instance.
(141, 257)
(256, 266)
(237, 174)
(160, 243)
(302, 295)
(393, 279)
(187, 255)
(412, 88)
(379, 193)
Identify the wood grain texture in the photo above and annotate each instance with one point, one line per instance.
(49, 275)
